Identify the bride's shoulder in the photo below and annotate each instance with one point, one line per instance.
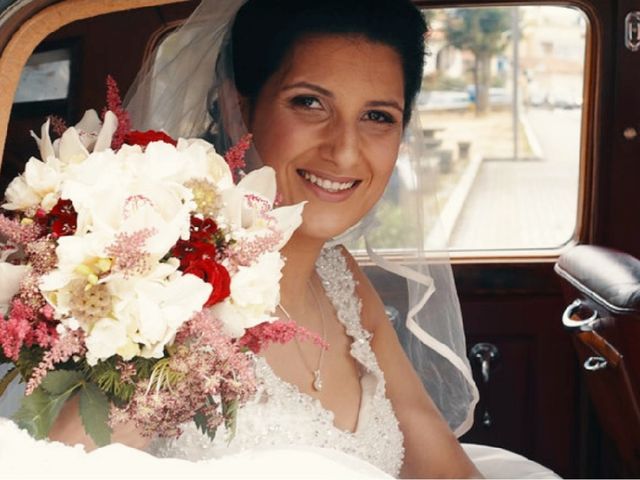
(373, 313)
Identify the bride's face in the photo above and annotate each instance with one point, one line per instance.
(329, 121)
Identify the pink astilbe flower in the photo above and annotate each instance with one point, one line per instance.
(114, 103)
(68, 344)
(18, 233)
(129, 256)
(41, 254)
(235, 155)
(30, 293)
(246, 250)
(27, 325)
(15, 329)
(212, 371)
(261, 336)
(44, 335)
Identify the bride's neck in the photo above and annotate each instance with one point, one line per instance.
(300, 253)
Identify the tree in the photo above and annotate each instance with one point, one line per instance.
(483, 32)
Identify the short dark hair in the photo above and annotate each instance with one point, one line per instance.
(264, 32)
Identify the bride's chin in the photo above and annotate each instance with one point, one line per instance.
(322, 229)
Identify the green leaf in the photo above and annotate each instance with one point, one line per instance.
(200, 420)
(40, 409)
(7, 379)
(230, 413)
(58, 382)
(94, 411)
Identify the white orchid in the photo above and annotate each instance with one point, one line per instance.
(246, 203)
(255, 294)
(88, 135)
(39, 185)
(204, 163)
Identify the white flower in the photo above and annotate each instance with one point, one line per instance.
(245, 206)
(10, 278)
(190, 159)
(88, 135)
(255, 293)
(114, 193)
(105, 339)
(205, 163)
(38, 186)
(154, 309)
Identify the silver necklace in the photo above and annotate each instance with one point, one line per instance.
(317, 379)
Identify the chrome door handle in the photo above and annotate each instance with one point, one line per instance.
(593, 364)
(484, 354)
(632, 31)
(582, 325)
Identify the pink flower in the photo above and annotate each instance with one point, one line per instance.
(67, 345)
(235, 155)
(214, 371)
(114, 104)
(261, 336)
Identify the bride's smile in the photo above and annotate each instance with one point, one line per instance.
(330, 121)
(328, 187)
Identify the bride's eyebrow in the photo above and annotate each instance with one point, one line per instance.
(386, 103)
(311, 86)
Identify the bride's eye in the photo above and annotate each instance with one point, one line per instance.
(306, 101)
(379, 116)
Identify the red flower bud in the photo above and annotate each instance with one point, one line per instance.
(191, 251)
(202, 230)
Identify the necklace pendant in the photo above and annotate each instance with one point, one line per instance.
(317, 381)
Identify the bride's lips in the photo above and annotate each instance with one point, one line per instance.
(328, 187)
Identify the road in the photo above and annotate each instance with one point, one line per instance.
(526, 204)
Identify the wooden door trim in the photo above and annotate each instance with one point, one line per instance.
(38, 19)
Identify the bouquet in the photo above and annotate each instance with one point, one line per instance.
(136, 272)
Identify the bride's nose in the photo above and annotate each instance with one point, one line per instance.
(341, 144)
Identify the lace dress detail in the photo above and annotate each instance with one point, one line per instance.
(280, 415)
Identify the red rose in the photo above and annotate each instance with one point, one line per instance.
(215, 274)
(143, 139)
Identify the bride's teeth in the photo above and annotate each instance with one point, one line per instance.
(327, 184)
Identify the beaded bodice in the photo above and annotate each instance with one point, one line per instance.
(280, 415)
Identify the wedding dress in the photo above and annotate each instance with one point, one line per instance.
(281, 433)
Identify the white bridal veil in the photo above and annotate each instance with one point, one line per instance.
(186, 90)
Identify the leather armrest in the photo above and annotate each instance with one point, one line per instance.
(608, 277)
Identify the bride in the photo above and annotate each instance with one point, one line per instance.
(326, 88)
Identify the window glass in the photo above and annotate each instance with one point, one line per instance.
(46, 76)
(500, 112)
(501, 105)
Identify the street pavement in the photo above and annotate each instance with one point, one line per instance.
(522, 204)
